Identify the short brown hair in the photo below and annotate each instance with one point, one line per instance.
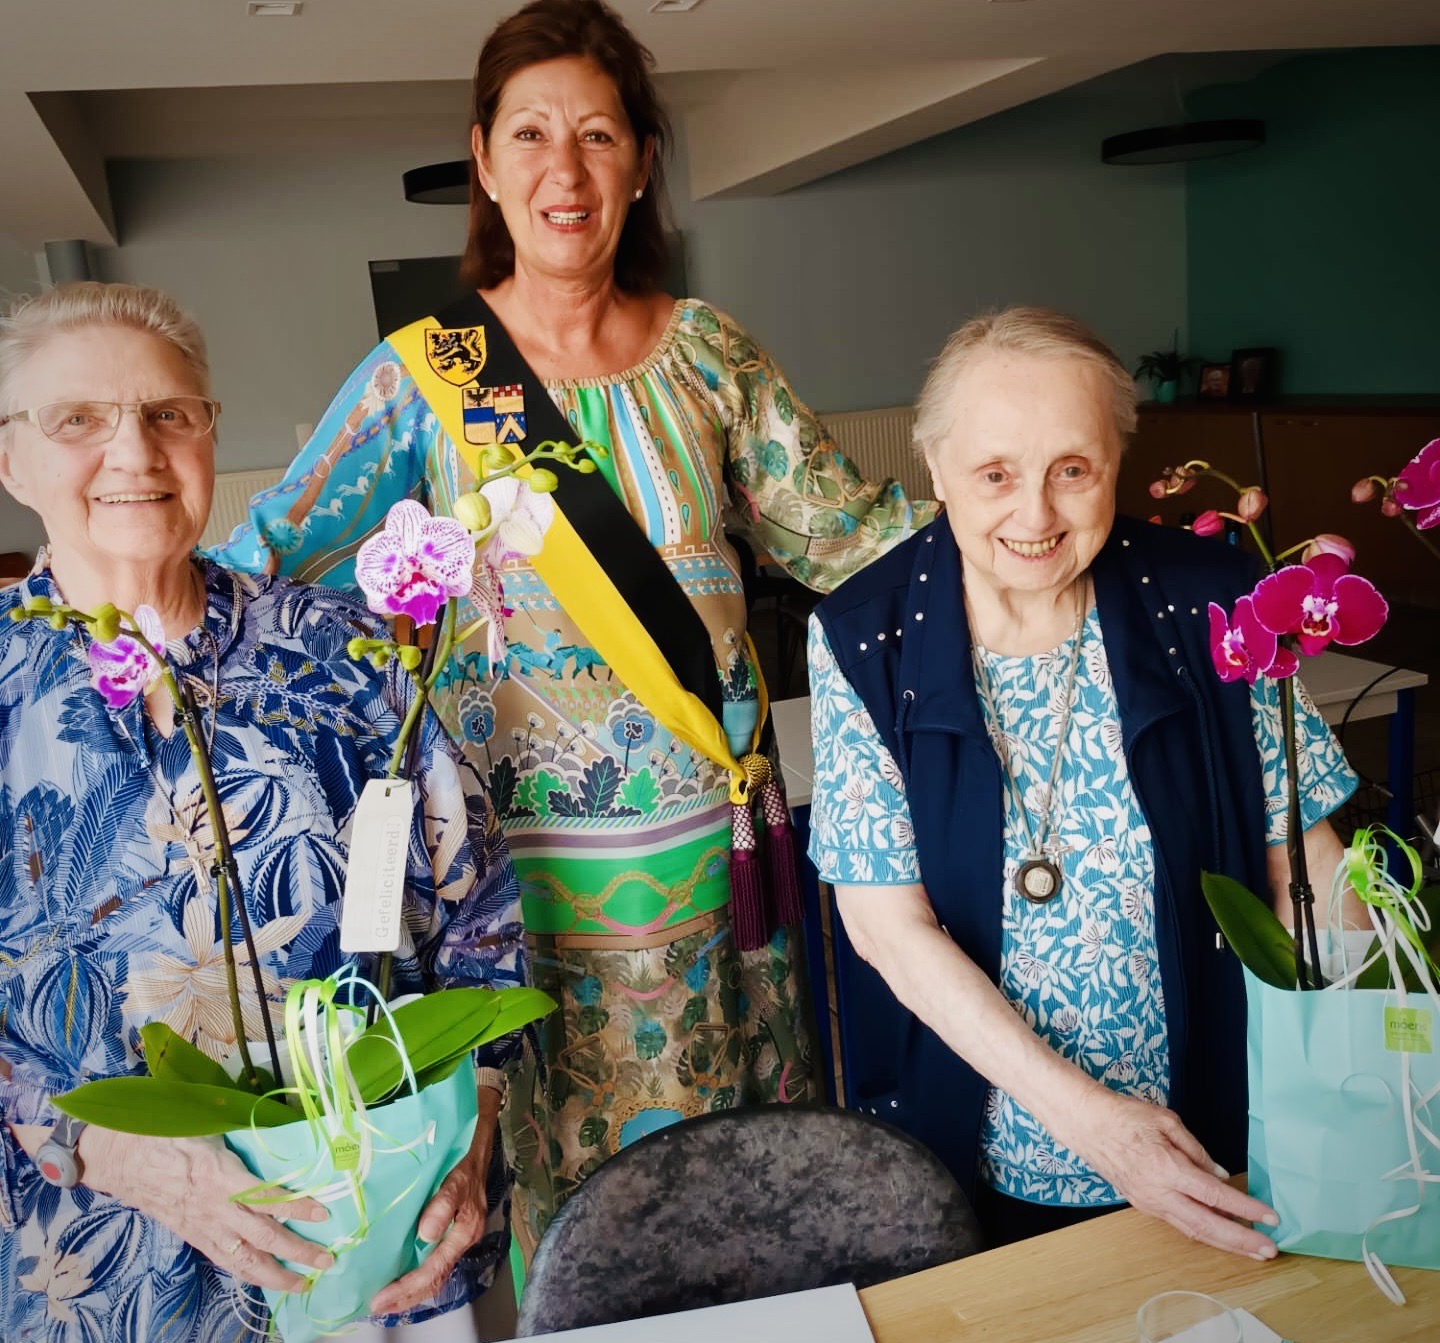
(549, 30)
(1037, 331)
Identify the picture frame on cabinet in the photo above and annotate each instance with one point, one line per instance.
(1252, 373)
(1214, 382)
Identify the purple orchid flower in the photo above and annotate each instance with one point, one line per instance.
(122, 669)
(1242, 646)
(1417, 487)
(416, 564)
(1320, 603)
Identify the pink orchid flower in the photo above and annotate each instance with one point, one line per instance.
(520, 516)
(122, 669)
(1417, 487)
(1242, 646)
(487, 595)
(415, 564)
(1320, 602)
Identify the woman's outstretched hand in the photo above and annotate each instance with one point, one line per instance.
(1159, 1167)
(186, 1184)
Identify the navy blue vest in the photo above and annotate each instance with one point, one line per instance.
(899, 632)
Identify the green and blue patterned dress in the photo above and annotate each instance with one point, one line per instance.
(620, 834)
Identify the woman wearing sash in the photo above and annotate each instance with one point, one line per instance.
(620, 830)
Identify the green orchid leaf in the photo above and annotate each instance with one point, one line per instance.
(166, 1109)
(175, 1059)
(437, 1029)
(439, 1072)
(1262, 942)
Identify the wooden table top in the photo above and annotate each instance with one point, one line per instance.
(1086, 1283)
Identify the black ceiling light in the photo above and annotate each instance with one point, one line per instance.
(439, 183)
(1185, 141)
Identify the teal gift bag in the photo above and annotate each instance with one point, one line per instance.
(414, 1143)
(1344, 1112)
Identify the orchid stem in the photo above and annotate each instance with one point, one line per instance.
(1302, 898)
(1420, 536)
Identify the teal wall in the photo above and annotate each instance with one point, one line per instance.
(1326, 242)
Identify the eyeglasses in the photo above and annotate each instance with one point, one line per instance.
(88, 424)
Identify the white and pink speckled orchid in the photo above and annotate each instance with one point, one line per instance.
(121, 666)
(416, 564)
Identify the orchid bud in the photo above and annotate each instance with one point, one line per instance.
(356, 649)
(1363, 491)
(38, 605)
(1158, 489)
(410, 656)
(57, 621)
(1209, 523)
(107, 625)
(1391, 508)
(586, 467)
(472, 511)
(543, 481)
(494, 458)
(1251, 504)
(1182, 483)
(19, 613)
(1327, 543)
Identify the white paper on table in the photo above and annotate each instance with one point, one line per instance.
(831, 1313)
(1252, 1331)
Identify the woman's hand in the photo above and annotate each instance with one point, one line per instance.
(459, 1205)
(186, 1184)
(1156, 1164)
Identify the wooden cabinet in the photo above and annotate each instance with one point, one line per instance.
(1307, 454)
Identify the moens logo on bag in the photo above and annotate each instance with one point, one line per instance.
(1408, 1030)
(345, 1152)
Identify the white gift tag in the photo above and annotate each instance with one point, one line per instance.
(375, 878)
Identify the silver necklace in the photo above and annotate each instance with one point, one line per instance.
(1039, 876)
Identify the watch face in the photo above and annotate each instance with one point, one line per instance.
(57, 1165)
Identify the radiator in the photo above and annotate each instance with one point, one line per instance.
(231, 505)
(878, 442)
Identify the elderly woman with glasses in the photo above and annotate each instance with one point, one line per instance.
(107, 917)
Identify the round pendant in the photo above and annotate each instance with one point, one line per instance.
(1038, 880)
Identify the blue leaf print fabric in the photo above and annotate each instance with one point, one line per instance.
(1083, 970)
(108, 920)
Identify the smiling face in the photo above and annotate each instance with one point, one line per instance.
(134, 506)
(1027, 470)
(565, 164)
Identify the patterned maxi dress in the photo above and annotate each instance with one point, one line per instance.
(620, 835)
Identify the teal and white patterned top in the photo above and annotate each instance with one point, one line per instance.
(1082, 970)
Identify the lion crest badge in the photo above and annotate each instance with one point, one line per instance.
(456, 354)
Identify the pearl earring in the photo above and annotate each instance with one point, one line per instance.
(639, 192)
(494, 197)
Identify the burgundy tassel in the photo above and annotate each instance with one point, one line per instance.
(787, 904)
(747, 890)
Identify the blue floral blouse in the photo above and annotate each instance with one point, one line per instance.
(107, 919)
(1082, 970)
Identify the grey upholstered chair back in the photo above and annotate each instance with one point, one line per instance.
(742, 1204)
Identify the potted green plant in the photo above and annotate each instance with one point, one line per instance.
(1164, 369)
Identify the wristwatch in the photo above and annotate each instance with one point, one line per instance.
(58, 1160)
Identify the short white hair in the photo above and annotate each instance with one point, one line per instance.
(32, 321)
(1041, 332)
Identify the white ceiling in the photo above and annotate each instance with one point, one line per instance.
(772, 93)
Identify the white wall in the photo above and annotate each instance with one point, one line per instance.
(855, 281)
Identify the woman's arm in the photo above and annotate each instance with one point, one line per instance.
(1144, 1151)
(369, 451)
(187, 1185)
(796, 494)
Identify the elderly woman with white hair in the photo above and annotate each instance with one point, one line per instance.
(1024, 761)
(108, 920)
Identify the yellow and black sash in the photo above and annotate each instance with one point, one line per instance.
(596, 561)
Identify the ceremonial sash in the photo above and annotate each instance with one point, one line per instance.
(596, 561)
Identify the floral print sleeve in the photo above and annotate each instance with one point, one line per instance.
(1325, 775)
(860, 829)
(797, 495)
(369, 451)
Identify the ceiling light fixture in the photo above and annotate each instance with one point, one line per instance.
(1183, 142)
(439, 183)
(673, 6)
(274, 9)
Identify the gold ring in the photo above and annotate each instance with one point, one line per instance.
(235, 1248)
